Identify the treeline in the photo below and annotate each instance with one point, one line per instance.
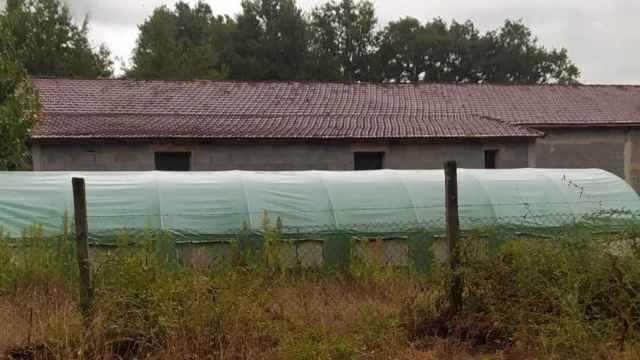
(276, 40)
(41, 37)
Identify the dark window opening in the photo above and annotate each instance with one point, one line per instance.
(368, 160)
(173, 161)
(490, 157)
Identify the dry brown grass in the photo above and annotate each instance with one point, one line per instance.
(314, 316)
(261, 317)
(43, 315)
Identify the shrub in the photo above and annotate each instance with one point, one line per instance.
(552, 296)
(35, 260)
(125, 318)
(566, 297)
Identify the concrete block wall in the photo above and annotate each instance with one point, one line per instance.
(616, 150)
(91, 157)
(582, 148)
(468, 154)
(318, 156)
(310, 253)
(393, 251)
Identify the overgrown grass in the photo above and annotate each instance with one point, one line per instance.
(555, 298)
(560, 297)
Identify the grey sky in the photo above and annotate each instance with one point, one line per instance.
(601, 36)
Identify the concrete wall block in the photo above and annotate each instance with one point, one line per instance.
(583, 148)
(206, 256)
(382, 251)
(309, 253)
(301, 253)
(215, 157)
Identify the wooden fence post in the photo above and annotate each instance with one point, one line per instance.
(82, 246)
(453, 233)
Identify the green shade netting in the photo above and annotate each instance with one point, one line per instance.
(192, 204)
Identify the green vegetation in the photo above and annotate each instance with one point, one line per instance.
(37, 37)
(276, 40)
(458, 52)
(183, 44)
(18, 112)
(338, 40)
(41, 36)
(269, 42)
(569, 295)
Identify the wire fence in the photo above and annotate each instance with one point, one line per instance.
(400, 244)
(328, 231)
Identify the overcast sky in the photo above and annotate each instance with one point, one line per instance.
(602, 36)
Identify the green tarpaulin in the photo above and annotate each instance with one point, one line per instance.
(193, 204)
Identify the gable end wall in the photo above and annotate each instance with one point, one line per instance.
(616, 150)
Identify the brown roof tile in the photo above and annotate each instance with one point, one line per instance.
(75, 108)
(78, 125)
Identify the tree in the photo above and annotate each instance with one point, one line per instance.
(438, 56)
(344, 44)
(557, 67)
(410, 51)
(273, 40)
(438, 52)
(186, 43)
(270, 41)
(18, 111)
(463, 54)
(42, 37)
(512, 55)
(403, 48)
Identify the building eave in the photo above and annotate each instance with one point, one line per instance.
(89, 139)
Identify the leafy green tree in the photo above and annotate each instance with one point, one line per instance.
(462, 54)
(437, 52)
(410, 51)
(273, 40)
(558, 68)
(437, 32)
(403, 50)
(514, 56)
(344, 44)
(186, 43)
(41, 35)
(270, 41)
(18, 111)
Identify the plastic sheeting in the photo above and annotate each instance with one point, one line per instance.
(201, 203)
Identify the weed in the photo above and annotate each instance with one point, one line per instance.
(552, 296)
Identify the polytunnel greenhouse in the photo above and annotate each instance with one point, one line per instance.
(195, 205)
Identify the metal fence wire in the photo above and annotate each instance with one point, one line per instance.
(413, 245)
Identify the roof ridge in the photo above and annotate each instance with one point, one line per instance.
(464, 112)
(319, 82)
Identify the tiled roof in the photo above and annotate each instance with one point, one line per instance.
(74, 108)
(391, 126)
